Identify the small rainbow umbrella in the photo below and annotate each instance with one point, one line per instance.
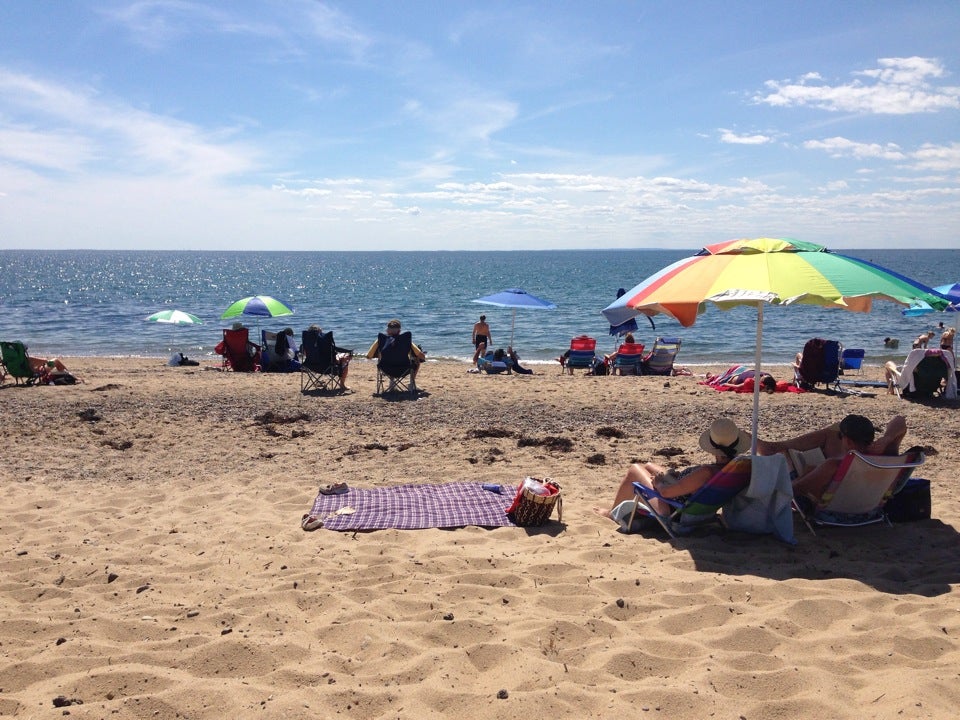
(766, 270)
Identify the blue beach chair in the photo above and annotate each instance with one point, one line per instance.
(699, 507)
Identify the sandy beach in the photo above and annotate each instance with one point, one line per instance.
(153, 563)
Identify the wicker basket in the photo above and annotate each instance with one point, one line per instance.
(532, 510)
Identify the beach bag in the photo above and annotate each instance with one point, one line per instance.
(534, 502)
(911, 503)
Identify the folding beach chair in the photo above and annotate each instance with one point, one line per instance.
(860, 488)
(394, 365)
(699, 507)
(274, 355)
(930, 376)
(16, 363)
(820, 365)
(237, 350)
(660, 359)
(927, 374)
(582, 354)
(627, 361)
(320, 369)
(852, 359)
(488, 363)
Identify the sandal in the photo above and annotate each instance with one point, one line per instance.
(334, 489)
(311, 522)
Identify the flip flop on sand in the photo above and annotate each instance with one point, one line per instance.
(310, 522)
(334, 489)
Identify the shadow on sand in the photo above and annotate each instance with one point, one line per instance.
(920, 558)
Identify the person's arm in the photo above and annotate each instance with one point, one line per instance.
(813, 483)
(374, 349)
(417, 352)
(889, 442)
(691, 482)
(817, 438)
(473, 336)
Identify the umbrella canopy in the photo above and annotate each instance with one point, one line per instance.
(174, 317)
(766, 270)
(951, 292)
(516, 298)
(257, 306)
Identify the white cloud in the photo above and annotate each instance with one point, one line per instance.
(841, 147)
(929, 157)
(899, 86)
(730, 137)
(107, 134)
(937, 157)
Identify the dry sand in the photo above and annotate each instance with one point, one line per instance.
(152, 563)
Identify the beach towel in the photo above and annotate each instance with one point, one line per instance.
(414, 507)
(764, 507)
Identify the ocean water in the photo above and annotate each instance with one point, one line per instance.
(93, 303)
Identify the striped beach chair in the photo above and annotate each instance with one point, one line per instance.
(699, 507)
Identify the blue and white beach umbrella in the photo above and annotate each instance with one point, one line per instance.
(516, 298)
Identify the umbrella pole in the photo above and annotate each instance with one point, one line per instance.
(513, 322)
(756, 381)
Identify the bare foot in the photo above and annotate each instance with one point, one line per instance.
(603, 512)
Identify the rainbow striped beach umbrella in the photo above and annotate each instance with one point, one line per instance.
(766, 270)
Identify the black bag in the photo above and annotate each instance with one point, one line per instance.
(911, 503)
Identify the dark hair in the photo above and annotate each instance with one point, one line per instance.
(859, 429)
(768, 383)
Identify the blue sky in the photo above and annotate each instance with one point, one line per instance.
(306, 125)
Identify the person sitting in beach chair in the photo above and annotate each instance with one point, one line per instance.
(626, 358)
(808, 451)
(398, 360)
(16, 363)
(659, 361)
(279, 351)
(663, 491)
(324, 364)
(856, 490)
(581, 354)
(925, 374)
(239, 354)
(819, 364)
(494, 362)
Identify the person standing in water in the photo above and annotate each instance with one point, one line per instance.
(481, 336)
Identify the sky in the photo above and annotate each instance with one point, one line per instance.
(469, 125)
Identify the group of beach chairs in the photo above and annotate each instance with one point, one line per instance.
(864, 489)
(629, 358)
(926, 373)
(319, 360)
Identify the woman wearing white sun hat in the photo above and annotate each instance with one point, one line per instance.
(723, 439)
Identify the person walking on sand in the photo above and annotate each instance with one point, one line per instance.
(481, 336)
